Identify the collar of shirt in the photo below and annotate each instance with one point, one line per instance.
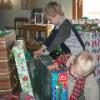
(58, 25)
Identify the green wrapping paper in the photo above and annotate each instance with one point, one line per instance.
(46, 83)
(22, 68)
(41, 75)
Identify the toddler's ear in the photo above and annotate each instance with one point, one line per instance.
(70, 61)
(72, 58)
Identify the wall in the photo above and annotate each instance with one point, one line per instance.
(7, 16)
(67, 4)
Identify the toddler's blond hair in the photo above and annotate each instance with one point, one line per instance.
(84, 63)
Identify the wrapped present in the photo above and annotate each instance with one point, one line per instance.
(53, 83)
(22, 68)
(9, 96)
(59, 85)
(4, 54)
(41, 75)
(6, 43)
(7, 81)
(5, 66)
(5, 92)
(8, 39)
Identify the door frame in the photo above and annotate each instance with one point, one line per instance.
(77, 9)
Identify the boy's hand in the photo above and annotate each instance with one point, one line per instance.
(38, 52)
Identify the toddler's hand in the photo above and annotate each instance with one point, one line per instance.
(54, 66)
(70, 61)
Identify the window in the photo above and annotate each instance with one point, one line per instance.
(86, 8)
(91, 9)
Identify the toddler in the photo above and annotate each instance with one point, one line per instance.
(79, 68)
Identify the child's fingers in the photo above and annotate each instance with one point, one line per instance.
(53, 67)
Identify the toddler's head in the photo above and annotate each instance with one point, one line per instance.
(83, 64)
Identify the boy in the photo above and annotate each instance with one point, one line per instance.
(62, 35)
(80, 67)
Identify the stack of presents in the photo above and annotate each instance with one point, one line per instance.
(14, 69)
(7, 76)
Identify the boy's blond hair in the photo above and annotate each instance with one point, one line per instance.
(84, 63)
(52, 9)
